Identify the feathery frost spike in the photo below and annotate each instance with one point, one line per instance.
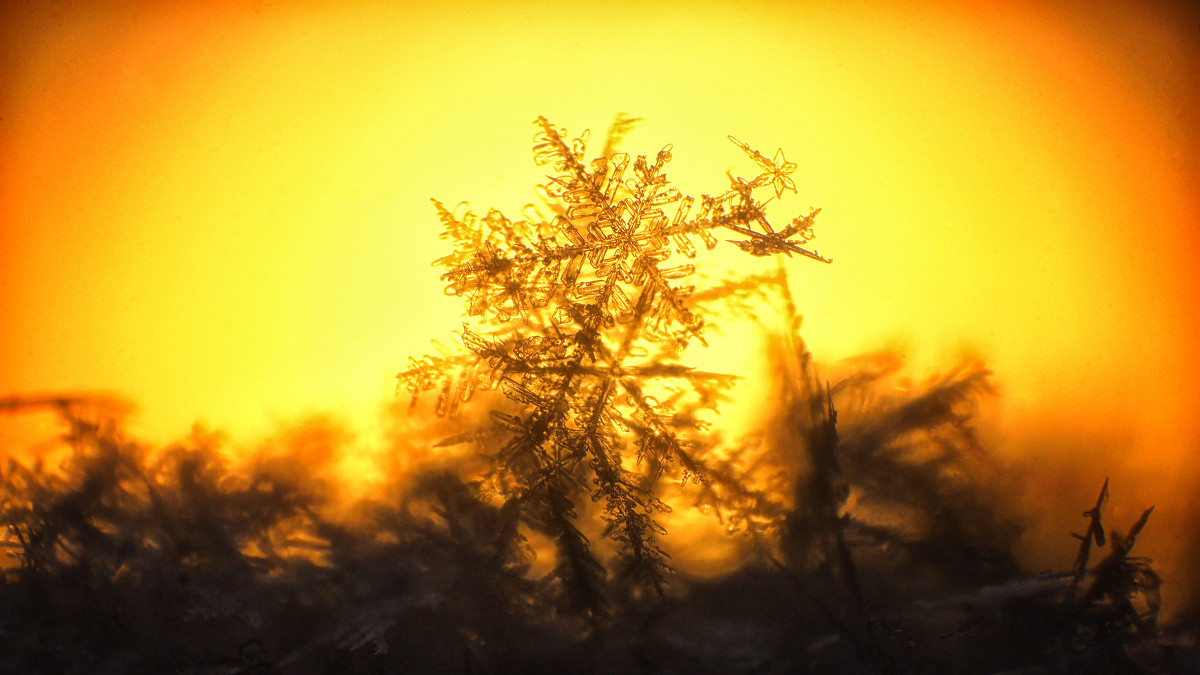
(579, 322)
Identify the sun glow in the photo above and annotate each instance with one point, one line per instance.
(221, 211)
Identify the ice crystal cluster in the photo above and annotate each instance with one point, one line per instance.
(579, 321)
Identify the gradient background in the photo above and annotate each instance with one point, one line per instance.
(220, 210)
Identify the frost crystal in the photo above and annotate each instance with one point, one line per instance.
(580, 322)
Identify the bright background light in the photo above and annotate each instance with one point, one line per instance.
(221, 209)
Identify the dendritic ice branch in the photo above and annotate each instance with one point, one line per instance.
(579, 322)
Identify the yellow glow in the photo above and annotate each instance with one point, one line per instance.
(221, 210)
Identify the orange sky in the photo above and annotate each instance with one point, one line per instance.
(220, 209)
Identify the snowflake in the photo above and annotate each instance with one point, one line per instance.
(580, 321)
